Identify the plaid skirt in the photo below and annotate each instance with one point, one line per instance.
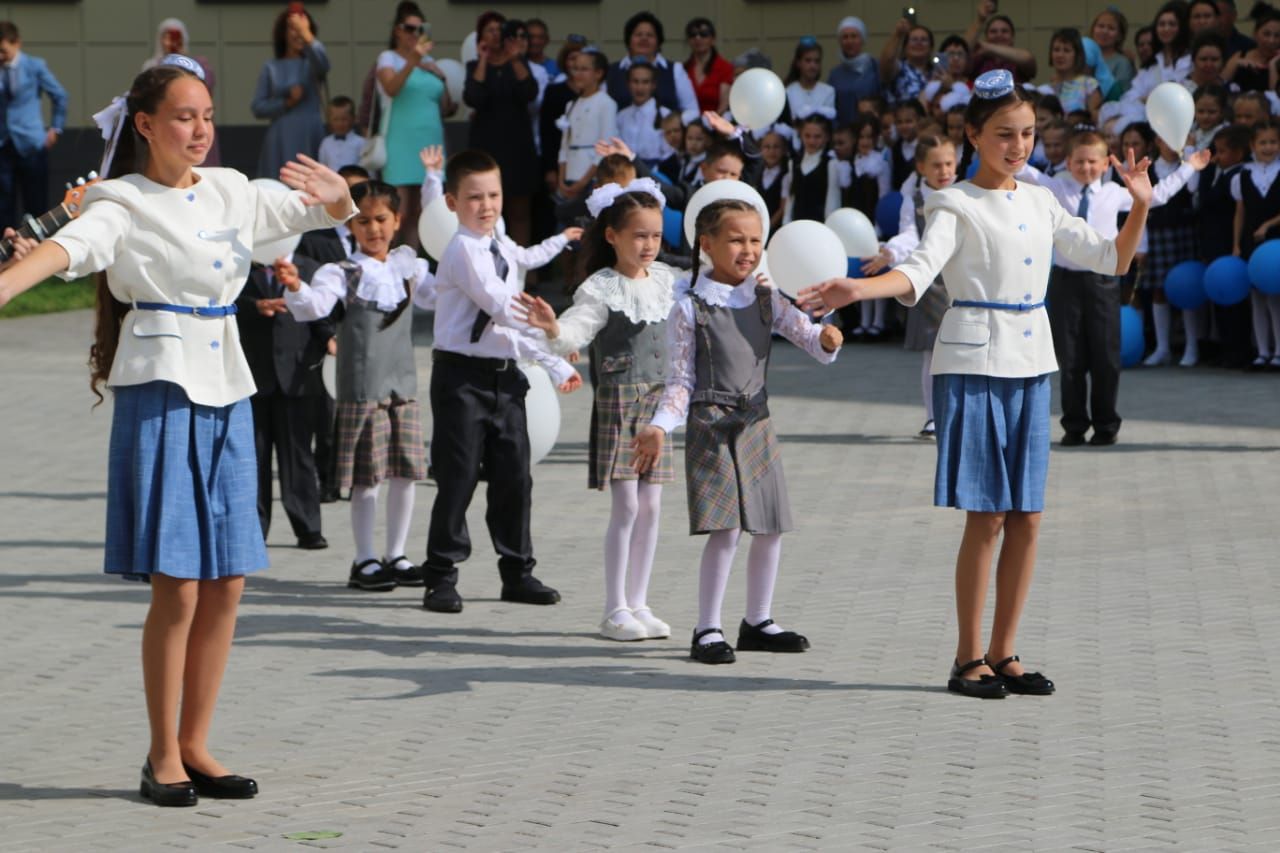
(618, 412)
(734, 471)
(1166, 248)
(378, 440)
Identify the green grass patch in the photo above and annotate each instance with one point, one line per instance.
(51, 295)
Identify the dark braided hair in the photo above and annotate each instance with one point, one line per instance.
(599, 252)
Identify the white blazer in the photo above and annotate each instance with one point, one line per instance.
(997, 246)
(183, 246)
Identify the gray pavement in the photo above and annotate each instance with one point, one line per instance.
(508, 727)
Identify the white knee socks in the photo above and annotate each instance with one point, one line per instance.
(1162, 318)
(713, 578)
(762, 574)
(1266, 323)
(400, 497)
(364, 510)
(1191, 330)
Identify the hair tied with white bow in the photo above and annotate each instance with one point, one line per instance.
(829, 113)
(110, 120)
(603, 197)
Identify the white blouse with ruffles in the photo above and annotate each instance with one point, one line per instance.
(640, 300)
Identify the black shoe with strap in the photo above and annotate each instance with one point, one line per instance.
(378, 580)
(409, 575)
(753, 638)
(717, 652)
(1027, 684)
(983, 687)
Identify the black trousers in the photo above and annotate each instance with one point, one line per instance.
(287, 424)
(1084, 313)
(478, 418)
(22, 176)
(326, 455)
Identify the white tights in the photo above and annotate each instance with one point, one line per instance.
(629, 544)
(364, 511)
(713, 578)
(1266, 323)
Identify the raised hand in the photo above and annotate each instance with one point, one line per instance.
(718, 123)
(432, 158)
(535, 311)
(1135, 176)
(614, 145)
(319, 184)
(572, 233)
(1200, 159)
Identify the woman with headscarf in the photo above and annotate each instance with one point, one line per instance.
(171, 37)
(856, 76)
(289, 92)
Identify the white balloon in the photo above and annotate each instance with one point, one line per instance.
(716, 191)
(542, 411)
(469, 52)
(757, 98)
(1171, 111)
(455, 75)
(855, 231)
(268, 252)
(436, 227)
(804, 253)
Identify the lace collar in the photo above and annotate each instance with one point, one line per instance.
(640, 300)
(715, 293)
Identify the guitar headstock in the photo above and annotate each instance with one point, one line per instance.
(73, 201)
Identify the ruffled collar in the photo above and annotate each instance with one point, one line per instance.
(715, 293)
(640, 300)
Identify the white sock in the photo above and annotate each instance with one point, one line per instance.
(877, 316)
(1191, 330)
(762, 574)
(926, 383)
(644, 542)
(617, 540)
(400, 496)
(1261, 324)
(713, 579)
(1162, 316)
(364, 512)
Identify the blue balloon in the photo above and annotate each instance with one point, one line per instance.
(1264, 267)
(672, 226)
(1184, 285)
(1132, 342)
(1226, 280)
(887, 210)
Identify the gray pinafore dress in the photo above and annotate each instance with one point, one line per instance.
(925, 316)
(732, 462)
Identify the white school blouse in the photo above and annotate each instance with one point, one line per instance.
(184, 246)
(998, 246)
(640, 300)
(381, 282)
(589, 120)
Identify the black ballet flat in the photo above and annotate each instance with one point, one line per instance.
(173, 794)
(1027, 684)
(985, 687)
(719, 652)
(222, 787)
(752, 638)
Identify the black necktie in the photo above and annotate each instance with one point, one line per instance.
(342, 138)
(501, 268)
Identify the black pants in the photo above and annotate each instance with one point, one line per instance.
(326, 455)
(288, 425)
(478, 418)
(1084, 313)
(25, 176)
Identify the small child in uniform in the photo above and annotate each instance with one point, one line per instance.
(673, 134)
(1171, 239)
(902, 153)
(641, 124)
(1257, 195)
(815, 180)
(774, 181)
(343, 144)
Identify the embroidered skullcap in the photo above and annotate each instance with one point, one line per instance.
(185, 63)
(993, 84)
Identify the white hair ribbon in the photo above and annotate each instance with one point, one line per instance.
(110, 120)
(829, 113)
(603, 196)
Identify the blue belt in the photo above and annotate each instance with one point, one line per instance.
(997, 306)
(210, 311)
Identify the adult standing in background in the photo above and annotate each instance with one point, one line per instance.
(499, 88)
(643, 35)
(1237, 42)
(418, 99)
(24, 140)
(856, 76)
(539, 37)
(906, 62)
(709, 72)
(990, 38)
(289, 92)
(171, 37)
(1108, 30)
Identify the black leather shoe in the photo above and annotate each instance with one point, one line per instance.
(1027, 684)
(751, 638)
(443, 599)
(222, 787)
(984, 687)
(409, 575)
(717, 652)
(330, 495)
(313, 542)
(1072, 439)
(168, 794)
(1102, 439)
(378, 580)
(529, 590)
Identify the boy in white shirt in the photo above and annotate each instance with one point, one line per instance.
(343, 144)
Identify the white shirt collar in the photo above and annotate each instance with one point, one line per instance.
(13, 63)
(659, 60)
(717, 293)
(476, 235)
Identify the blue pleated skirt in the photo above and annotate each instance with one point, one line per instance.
(993, 442)
(182, 487)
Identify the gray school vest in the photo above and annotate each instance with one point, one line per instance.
(732, 351)
(629, 353)
(374, 363)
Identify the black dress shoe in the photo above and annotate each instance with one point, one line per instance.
(752, 638)
(1072, 439)
(1027, 684)
(717, 652)
(443, 599)
(330, 495)
(529, 590)
(1102, 439)
(984, 687)
(166, 794)
(312, 542)
(222, 787)
(409, 575)
(378, 580)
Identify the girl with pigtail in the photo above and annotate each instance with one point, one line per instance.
(621, 311)
(719, 335)
(171, 243)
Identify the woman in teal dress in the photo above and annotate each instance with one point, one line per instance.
(418, 102)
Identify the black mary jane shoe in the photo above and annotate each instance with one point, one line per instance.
(983, 687)
(409, 575)
(378, 580)
(752, 638)
(222, 787)
(1027, 684)
(717, 652)
(178, 794)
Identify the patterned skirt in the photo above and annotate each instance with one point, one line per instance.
(618, 412)
(378, 440)
(1166, 248)
(734, 471)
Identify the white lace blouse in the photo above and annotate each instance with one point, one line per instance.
(640, 300)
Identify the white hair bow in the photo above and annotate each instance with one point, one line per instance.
(603, 196)
(110, 120)
(829, 113)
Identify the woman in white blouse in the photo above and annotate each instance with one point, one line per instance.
(993, 240)
(172, 246)
(1173, 52)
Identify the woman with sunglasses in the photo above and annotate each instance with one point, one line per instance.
(413, 92)
(710, 73)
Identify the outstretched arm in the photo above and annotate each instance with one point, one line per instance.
(44, 260)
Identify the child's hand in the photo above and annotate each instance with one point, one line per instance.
(831, 294)
(572, 233)
(535, 311)
(878, 263)
(272, 307)
(830, 338)
(614, 145)
(1136, 176)
(718, 123)
(646, 447)
(1200, 159)
(573, 357)
(432, 158)
(332, 346)
(287, 275)
(22, 246)
(1260, 233)
(573, 383)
